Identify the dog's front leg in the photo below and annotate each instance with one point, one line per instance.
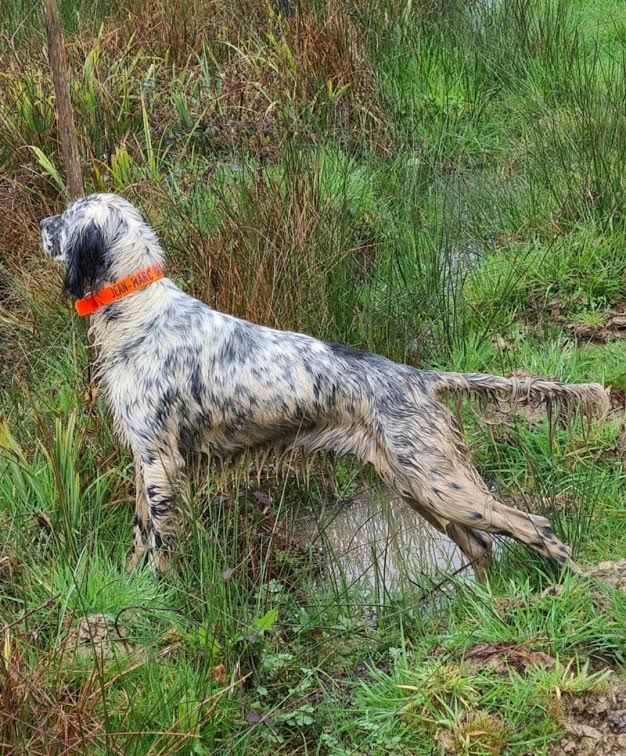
(159, 475)
(142, 519)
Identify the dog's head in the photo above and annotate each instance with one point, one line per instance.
(100, 238)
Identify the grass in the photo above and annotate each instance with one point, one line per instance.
(440, 183)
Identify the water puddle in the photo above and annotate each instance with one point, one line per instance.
(376, 540)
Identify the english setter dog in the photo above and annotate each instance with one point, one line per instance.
(181, 377)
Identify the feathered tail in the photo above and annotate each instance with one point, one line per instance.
(590, 399)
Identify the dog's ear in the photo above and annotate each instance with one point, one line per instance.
(85, 260)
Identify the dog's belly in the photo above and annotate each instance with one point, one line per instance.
(227, 442)
(341, 434)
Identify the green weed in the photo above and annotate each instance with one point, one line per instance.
(440, 183)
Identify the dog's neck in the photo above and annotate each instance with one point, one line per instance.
(114, 329)
(137, 249)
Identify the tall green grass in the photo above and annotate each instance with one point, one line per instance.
(440, 183)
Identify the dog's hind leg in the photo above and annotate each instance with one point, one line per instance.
(472, 504)
(457, 494)
(475, 505)
(423, 457)
(476, 546)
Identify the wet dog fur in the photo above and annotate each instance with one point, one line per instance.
(180, 377)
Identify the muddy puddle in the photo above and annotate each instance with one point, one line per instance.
(374, 540)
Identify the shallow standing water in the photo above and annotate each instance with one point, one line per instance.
(375, 539)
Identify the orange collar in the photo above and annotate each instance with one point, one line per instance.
(118, 290)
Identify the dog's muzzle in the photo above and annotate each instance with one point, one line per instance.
(51, 229)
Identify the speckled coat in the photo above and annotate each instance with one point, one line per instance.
(181, 377)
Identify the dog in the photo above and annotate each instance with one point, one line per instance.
(180, 378)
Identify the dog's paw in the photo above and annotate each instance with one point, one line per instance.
(161, 561)
(136, 559)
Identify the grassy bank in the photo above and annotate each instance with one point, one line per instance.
(442, 183)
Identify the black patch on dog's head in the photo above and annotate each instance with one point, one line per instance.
(85, 261)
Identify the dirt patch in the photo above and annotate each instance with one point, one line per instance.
(617, 398)
(476, 732)
(621, 444)
(594, 723)
(611, 328)
(606, 326)
(501, 657)
(95, 636)
(614, 573)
